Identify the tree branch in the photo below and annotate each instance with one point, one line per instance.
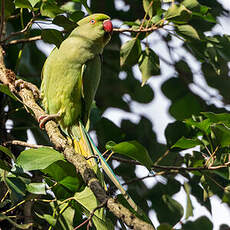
(173, 168)
(25, 144)
(7, 77)
(27, 27)
(24, 40)
(150, 29)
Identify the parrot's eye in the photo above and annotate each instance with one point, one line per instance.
(92, 21)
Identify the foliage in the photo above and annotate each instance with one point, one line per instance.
(56, 193)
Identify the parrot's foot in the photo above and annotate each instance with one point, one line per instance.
(45, 118)
(23, 84)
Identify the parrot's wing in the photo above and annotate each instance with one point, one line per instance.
(91, 73)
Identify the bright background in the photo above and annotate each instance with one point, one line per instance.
(156, 111)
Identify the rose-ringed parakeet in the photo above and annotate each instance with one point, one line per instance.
(70, 79)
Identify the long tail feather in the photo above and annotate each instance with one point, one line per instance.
(94, 151)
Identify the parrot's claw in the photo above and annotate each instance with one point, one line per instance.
(22, 84)
(45, 118)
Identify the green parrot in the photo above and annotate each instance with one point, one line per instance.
(71, 73)
(70, 78)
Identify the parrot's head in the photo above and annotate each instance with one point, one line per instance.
(96, 27)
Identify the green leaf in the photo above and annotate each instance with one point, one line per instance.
(76, 16)
(87, 199)
(186, 143)
(50, 219)
(151, 10)
(17, 187)
(215, 118)
(130, 52)
(176, 130)
(71, 7)
(7, 152)
(174, 209)
(50, 9)
(202, 125)
(190, 3)
(134, 150)
(201, 223)
(149, 64)
(34, 2)
(179, 13)
(169, 86)
(184, 71)
(164, 226)
(52, 36)
(64, 22)
(189, 103)
(23, 4)
(64, 173)
(222, 134)
(189, 208)
(19, 226)
(72, 183)
(188, 31)
(5, 89)
(36, 188)
(36, 159)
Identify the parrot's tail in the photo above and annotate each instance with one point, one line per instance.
(85, 146)
(82, 146)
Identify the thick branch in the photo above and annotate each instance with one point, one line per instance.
(7, 77)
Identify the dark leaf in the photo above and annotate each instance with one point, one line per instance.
(5, 89)
(52, 36)
(187, 31)
(201, 223)
(64, 22)
(23, 4)
(189, 207)
(130, 52)
(4, 165)
(134, 150)
(7, 152)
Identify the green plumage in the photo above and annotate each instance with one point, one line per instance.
(72, 72)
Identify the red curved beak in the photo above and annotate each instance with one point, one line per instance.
(108, 26)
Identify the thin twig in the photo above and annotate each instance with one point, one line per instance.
(190, 168)
(150, 29)
(23, 143)
(91, 215)
(11, 209)
(169, 168)
(29, 24)
(24, 40)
